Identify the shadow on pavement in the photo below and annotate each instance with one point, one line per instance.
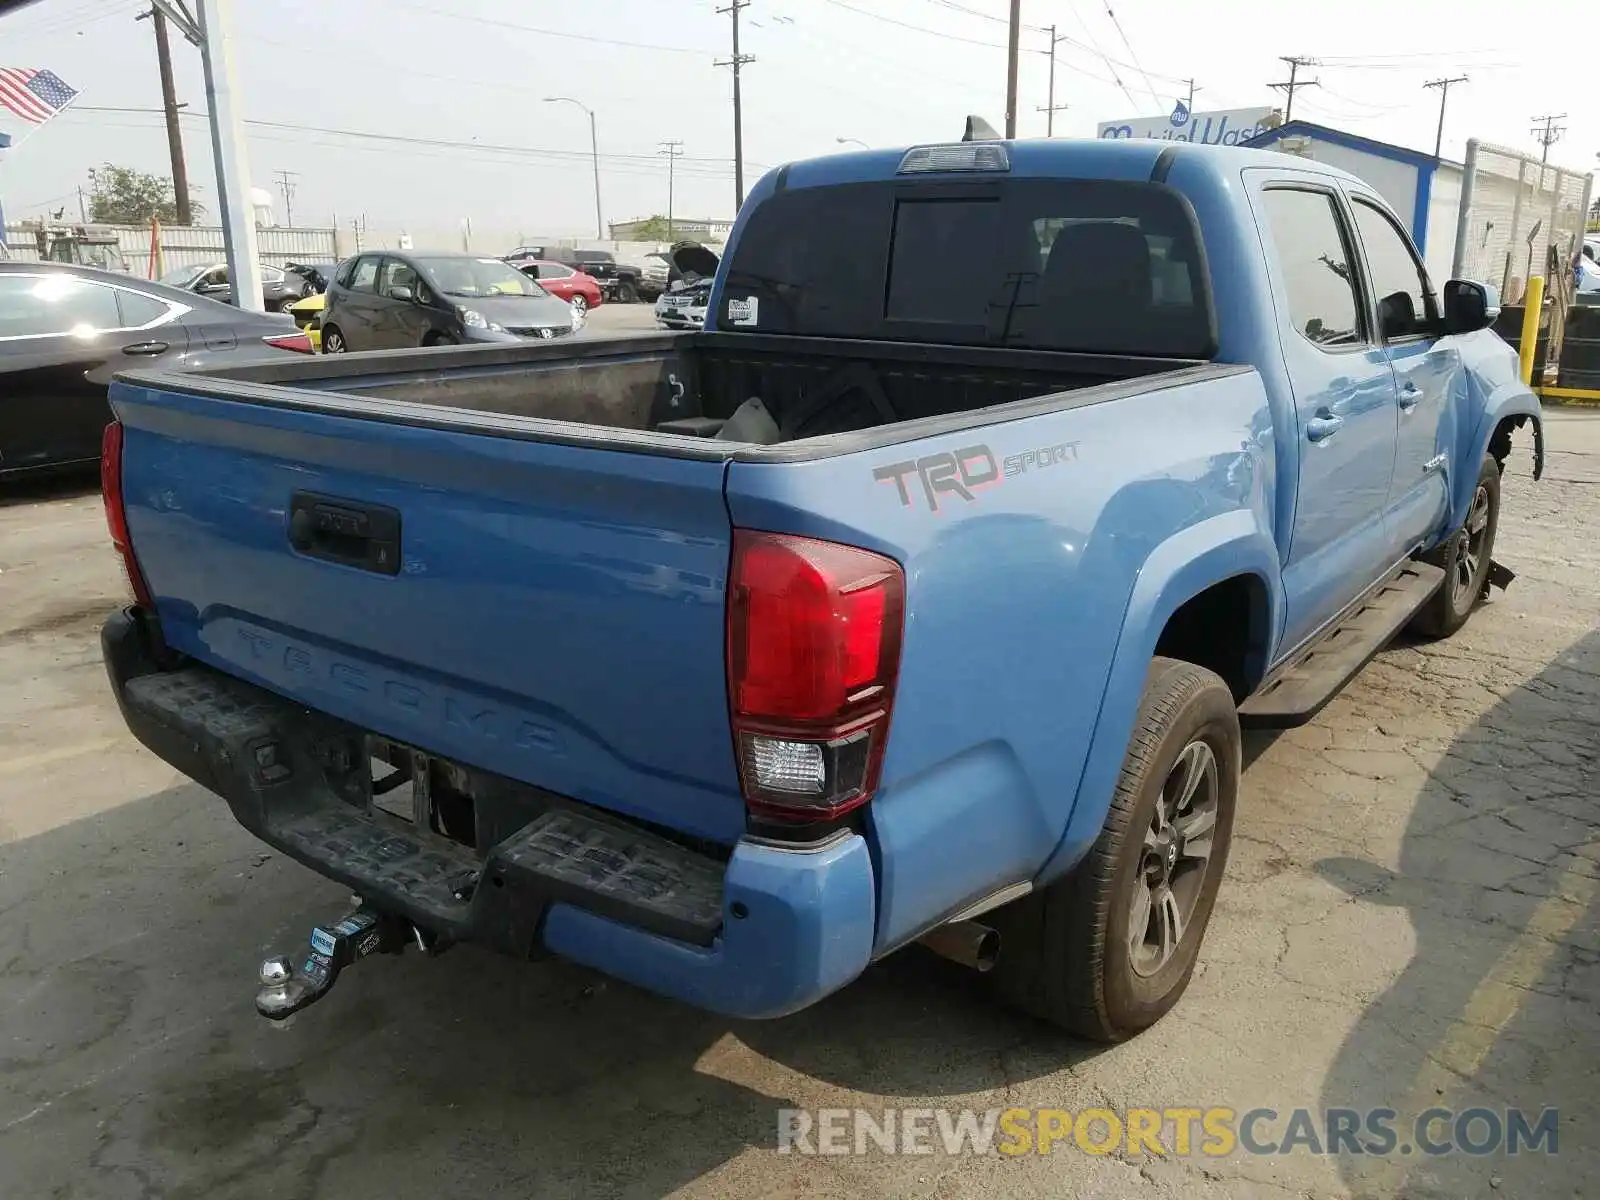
(62, 483)
(135, 1064)
(1499, 1005)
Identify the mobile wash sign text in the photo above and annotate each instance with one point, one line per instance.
(1226, 128)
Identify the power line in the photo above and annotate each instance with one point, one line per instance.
(555, 33)
(1094, 47)
(949, 37)
(1444, 94)
(1128, 46)
(1288, 86)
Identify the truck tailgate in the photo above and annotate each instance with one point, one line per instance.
(554, 613)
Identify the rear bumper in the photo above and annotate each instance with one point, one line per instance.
(765, 932)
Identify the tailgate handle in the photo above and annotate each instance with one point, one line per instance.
(364, 536)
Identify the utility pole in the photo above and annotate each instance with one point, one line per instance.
(594, 150)
(1189, 103)
(169, 105)
(736, 62)
(1444, 93)
(286, 185)
(1294, 81)
(1548, 132)
(228, 148)
(1012, 40)
(83, 209)
(674, 151)
(1052, 108)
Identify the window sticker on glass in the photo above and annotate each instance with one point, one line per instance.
(745, 312)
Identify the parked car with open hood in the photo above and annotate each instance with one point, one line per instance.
(692, 270)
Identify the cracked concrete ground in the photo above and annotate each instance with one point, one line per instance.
(1410, 919)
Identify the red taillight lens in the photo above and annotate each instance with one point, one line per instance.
(116, 511)
(813, 653)
(300, 343)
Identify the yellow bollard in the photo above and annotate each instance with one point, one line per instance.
(1534, 302)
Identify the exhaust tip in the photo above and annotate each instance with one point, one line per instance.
(966, 942)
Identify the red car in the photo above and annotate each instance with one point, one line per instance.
(565, 283)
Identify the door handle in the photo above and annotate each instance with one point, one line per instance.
(1410, 397)
(1320, 428)
(146, 348)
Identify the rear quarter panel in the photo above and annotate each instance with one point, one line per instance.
(1018, 600)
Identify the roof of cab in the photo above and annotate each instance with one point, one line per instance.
(1069, 158)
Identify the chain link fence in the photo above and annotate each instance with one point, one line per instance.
(1519, 217)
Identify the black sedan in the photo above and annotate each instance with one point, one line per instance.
(279, 288)
(65, 331)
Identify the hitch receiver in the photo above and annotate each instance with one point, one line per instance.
(286, 988)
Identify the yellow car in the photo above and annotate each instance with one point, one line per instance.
(307, 314)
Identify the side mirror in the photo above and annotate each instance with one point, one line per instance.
(403, 294)
(1469, 306)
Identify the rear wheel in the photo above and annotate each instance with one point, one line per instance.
(1466, 558)
(580, 305)
(1107, 950)
(333, 340)
(627, 293)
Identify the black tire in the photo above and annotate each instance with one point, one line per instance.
(1465, 556)
(1067, 953)
(627, 293)
(579, 304)
(333, 340)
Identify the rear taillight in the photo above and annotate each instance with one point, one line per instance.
(117, 512)
(813, 655)
(299, 342)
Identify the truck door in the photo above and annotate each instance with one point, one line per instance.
(1345, 404)
(1425, 366)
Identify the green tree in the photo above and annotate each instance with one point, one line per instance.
(123, 196)
(654, 229)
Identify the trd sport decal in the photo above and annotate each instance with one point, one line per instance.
(968, 470)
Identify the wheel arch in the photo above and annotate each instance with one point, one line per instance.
(1226, 559)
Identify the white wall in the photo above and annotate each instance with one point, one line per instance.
(1395, 181)
(1444, 212)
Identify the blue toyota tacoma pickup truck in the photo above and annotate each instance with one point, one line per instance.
(920, 597)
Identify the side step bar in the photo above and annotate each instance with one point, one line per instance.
(1298, 690)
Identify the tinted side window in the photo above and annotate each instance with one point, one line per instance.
(1405, 303)
(396, 274)
(365, 276)
(32, 304)
(1314, 259)
(345, 271)
(138, 309)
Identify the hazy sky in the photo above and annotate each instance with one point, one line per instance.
(474, 71)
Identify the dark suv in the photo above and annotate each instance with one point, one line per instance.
(618, 282)
(385, 300)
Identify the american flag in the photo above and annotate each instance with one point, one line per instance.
(35, 96)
